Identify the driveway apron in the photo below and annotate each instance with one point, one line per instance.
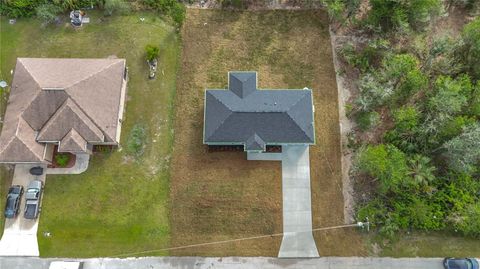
(20, 234)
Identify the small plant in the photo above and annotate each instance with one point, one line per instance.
(62, 159)
(136, 141)
(47, 12)
(367, 120)
(152, 52)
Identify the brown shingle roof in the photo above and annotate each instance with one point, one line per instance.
(72, 142)
(52, 96)
(68, 117)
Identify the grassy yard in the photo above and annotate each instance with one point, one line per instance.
(433, 245)
(120, 204)
(218, 196)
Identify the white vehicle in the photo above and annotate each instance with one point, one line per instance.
(65, 265)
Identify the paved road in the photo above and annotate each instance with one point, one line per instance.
(233, 263)
(20, 234)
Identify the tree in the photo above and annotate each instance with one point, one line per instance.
(47, 12)
(471, 38)
(401, 15)
(450, 95)
(421, 170)
(387, 164)
(463, 151)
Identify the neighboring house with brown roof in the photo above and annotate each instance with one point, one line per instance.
(73, 104)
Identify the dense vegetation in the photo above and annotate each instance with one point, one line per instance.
(418, 101)
(48, 10)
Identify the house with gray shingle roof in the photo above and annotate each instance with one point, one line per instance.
(257, 118)
(65, 104)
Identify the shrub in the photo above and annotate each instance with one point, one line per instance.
(463, 151)
(471, 38)
(467, 221)
(373, 92)
(177, 13)
(47, 12)
(152, 52)
(406, 118)
(172, 8)
(385, 163)
(450, 95)
(119, 6)
(62, 159)
(454, 127)
(367, 120)
(136, 141)
(402, 15)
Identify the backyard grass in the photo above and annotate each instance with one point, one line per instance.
(219, 196)
(120, 204)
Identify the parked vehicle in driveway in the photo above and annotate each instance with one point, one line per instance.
(13, 201)
(460, 263)
(32, 197)
(36, 171)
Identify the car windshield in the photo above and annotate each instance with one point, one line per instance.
(14, 190)
(32, 190)
(460, 264)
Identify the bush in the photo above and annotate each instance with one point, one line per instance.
(387, 164)
(406, 118)
(463, 151)
(402, 15)
(450, 95)
(152, 52)
(467, 221)
(62, 159)
(119, 6)
(172, 8)
(471, 38)
(47, 12)
(136, 141)
(367, 120)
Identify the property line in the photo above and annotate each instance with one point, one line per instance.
(237, 240)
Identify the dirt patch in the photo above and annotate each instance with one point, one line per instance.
(221, 195)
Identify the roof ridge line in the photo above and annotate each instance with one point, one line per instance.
(91, 75)
(29, 147)
(223, 121)
(295, 120)
(85, 113)
(28, 71)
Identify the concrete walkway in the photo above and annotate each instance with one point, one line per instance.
(298, 239)
(81, 165)
(233, 263)
(20, 234)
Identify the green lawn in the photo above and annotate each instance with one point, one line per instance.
(119, 205)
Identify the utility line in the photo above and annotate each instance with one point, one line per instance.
(358, 224)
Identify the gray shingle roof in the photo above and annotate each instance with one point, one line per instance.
(245, 115)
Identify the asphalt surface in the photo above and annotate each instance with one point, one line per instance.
(20, 234)
(232, 263)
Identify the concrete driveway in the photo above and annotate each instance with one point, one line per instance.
(20, 234)
(298, 239)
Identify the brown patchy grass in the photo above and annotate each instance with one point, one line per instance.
(219, 196)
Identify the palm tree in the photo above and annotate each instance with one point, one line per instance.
(421, 170)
